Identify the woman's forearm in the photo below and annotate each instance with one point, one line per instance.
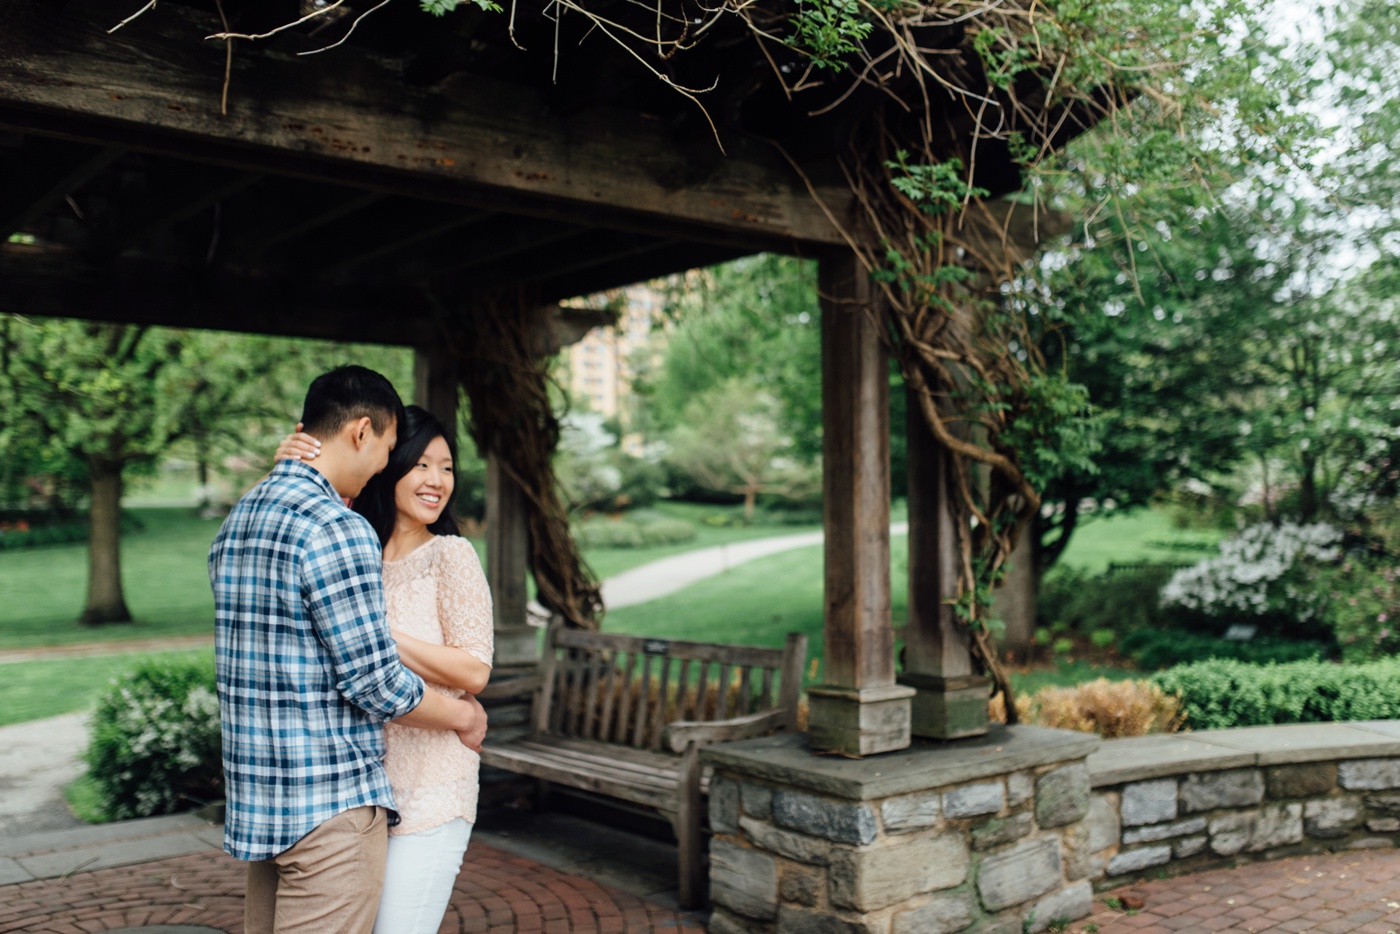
(443, 664)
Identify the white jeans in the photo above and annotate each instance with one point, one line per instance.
(418, 877)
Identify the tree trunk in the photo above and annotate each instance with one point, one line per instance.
(1307, 491)
(750, 496)
(105, 603)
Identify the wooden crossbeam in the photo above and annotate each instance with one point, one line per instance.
(148, 213)
(50, 171)
(349, 117)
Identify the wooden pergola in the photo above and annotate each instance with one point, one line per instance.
(367, 192)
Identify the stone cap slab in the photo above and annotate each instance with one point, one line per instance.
(786, 759)
(1143, 757)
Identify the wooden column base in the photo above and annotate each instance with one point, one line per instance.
(948, 708)
(858, 722)
(517, 645)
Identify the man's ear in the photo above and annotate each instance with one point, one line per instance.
(360, 431)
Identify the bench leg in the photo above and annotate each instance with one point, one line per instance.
(541, 795)
(689, 837)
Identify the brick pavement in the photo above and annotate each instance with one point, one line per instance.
(496, 893)
(1357, 892)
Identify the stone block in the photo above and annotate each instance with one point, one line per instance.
(1019, 874)
(1384, 804)
(795, 920)
(1209, 791)
(1229, 833)
(1331, 817)
(724, 804)
(904, 813)
(840, 821)
(1149, 802)
(1164, 831)
(1369, 774)
(872, 878)
(1300, 781)
(1102, 822)
(1383, 825)
(801, 885)
(859, 722)
(1019, 788)
(942, 914)
(724, 921)
(1068, 904)
(1002, 830)
(1277, 825)
(1011, 924)
(1138, 860)
(973, 800)
(786, 843)
(1074, 849)
(757, 800)
(743, 880)
(1062, 795)
(1189, 846)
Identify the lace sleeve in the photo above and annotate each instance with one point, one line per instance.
(464, 600)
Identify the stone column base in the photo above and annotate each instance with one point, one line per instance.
(859, 722)
(948, 708)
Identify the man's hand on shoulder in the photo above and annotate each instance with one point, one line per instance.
(472, 738)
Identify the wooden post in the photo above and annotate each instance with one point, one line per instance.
(435, 384)
(951, 699)
(507, 567)
(859, 709)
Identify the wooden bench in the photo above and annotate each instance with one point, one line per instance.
(625, 716)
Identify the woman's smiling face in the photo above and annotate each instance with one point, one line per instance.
(421, 494)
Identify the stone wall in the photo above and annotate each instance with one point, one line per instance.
(1180, 803)
(983, 835)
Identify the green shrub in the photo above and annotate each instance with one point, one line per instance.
(1363, 607)
(1151, 649)
(639, 530)
(1223, 693)
(155, 745)
(1075, 600)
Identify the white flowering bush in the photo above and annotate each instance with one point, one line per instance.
(155, 745)
(1265, 574)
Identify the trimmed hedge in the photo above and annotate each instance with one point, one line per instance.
(1223, 693)
(1152, 649)
(626, 533)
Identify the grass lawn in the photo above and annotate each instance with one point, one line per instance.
(46, 688)
(167, 584)
(1140, 536)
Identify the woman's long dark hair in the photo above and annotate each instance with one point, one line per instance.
(416, 431)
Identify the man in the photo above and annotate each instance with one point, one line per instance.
(308, 673)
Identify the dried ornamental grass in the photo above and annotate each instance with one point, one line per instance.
(1112, 709)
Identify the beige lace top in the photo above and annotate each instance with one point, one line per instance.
(437, 593)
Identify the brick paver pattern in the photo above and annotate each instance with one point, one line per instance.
(1357, 892)
(496, 893)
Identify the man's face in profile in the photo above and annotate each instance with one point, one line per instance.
(375, 452)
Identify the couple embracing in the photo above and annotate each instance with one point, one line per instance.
(350, 642)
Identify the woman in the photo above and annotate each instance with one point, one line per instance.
(439, 611)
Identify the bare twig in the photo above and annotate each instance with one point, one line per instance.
(149, 6)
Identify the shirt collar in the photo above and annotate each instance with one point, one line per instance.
(302, 470)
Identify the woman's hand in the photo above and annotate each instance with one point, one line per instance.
(298, 446)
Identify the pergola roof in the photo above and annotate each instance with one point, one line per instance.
(423, 157)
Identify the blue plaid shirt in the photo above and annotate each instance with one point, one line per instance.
(307, 670)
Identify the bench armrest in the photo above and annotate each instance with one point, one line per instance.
(682, 733)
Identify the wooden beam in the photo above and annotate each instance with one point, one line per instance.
(858, 709)
(351, 118)
(144, 213)
(255, 242)
(53, 282)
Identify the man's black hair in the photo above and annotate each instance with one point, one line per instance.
(345, 394)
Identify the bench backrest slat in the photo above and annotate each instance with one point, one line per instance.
(625, 689)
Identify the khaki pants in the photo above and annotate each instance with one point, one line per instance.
(329, 882)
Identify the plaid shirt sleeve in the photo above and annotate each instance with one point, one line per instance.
(343, 590)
